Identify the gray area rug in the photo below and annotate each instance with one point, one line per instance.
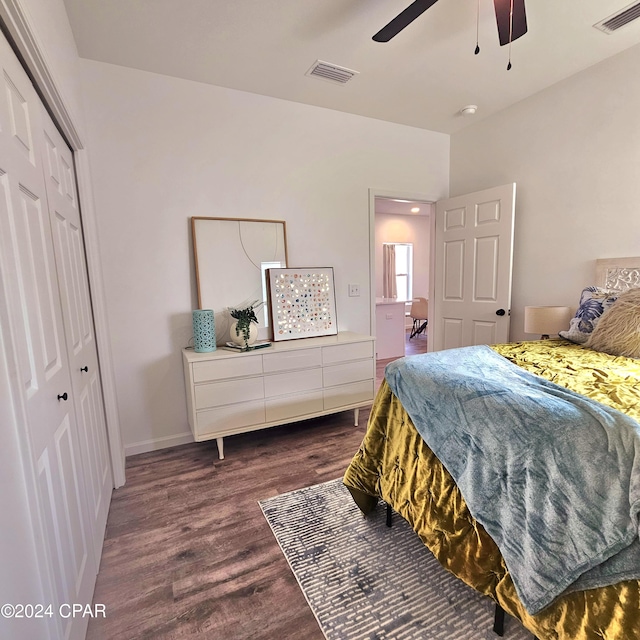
(365, 581)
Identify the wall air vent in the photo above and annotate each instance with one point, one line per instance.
(619, 19)
(331, 72)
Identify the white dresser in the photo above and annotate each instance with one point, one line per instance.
(233, 392)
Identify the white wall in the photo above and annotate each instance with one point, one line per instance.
(574, 152)
(165, 149)
(409, 229)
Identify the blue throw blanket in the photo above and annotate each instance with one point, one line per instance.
(553, 476)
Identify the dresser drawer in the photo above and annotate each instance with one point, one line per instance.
(339, 374)
(348, 394)
(228, 418)
(293, 406)
(280, 384)
(216, 394)
(345, 352)
(227, 368)
(292, 360)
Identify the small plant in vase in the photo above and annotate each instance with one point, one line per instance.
(242, 332)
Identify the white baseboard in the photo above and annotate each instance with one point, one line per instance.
(157, 443)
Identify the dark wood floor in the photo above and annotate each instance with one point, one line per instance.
(188, 552)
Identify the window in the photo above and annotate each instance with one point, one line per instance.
(404, 271)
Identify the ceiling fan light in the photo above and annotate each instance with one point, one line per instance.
(469, 110)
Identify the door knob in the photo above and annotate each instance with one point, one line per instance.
(64, 396)
(85, 369)
(500, 312)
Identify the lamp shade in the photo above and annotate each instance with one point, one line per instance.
(546, 320)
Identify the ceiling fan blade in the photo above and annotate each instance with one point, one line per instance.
(503, 18)
(403, 19)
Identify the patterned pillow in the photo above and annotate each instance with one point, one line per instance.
(618, 331)
(594, 301)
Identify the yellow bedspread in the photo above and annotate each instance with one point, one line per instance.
(394, 463)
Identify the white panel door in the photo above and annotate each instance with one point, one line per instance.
(473, 255)
(37, 333)
(68, 245)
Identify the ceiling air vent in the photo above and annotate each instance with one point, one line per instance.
(619, 19)
(331, 72)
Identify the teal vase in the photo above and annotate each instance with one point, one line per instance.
(204, 331)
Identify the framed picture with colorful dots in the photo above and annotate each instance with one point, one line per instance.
(302, 303)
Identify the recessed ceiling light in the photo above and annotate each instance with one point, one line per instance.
(415, 209)
(396, 200)
(469, 110)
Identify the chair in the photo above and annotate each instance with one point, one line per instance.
(419, 312)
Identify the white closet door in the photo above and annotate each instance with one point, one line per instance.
(78, 320)
(37, 333)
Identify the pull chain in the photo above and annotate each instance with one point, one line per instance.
(510, 33)
(477, 51)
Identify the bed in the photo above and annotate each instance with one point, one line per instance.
(394, 464)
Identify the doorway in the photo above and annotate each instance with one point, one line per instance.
(400, 267)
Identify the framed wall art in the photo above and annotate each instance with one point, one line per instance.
(302, 303)
(231, 258)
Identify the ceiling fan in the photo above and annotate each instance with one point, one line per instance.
(510, 16)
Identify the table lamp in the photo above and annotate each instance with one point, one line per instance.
(546, 320)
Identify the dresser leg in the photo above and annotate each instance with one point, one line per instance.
(220, 448)
(356, 415)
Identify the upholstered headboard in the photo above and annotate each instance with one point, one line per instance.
(618, 274)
